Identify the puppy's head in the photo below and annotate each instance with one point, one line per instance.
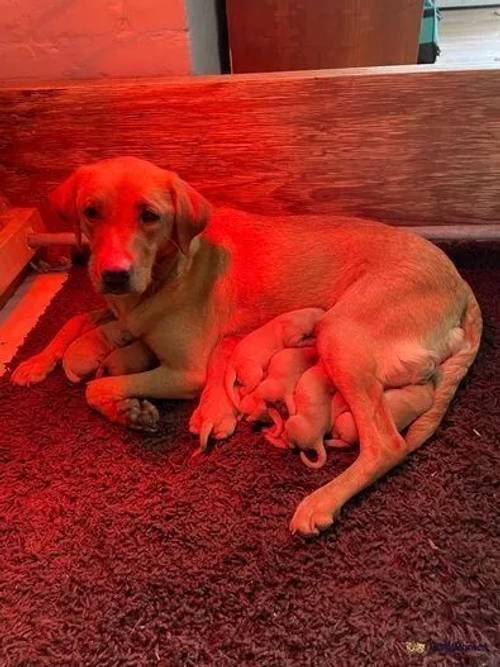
(132, 212)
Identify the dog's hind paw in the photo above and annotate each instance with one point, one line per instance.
(312, 516)
(220, 430)
(214, 417)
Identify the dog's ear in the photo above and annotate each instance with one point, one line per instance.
(63, 202)
(192, 213)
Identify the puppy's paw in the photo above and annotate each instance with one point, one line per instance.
(312, 516)
(214, 417)
(33, 370)
(337, 443)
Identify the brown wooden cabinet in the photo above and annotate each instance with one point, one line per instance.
(273, 35)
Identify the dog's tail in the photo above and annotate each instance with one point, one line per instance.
(450, 373)
(230, 386)
(275, 434)
(278, 422)
(320, 461)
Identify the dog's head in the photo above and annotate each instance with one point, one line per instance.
(133, 213)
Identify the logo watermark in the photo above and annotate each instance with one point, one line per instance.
(415, 647)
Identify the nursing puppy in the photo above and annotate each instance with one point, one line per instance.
(405, 405)
(307, 427)
(315, 419)
(320, 421)
(181, 279)
(250, 358)
(285, 369)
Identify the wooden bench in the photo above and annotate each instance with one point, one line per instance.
(414, 146)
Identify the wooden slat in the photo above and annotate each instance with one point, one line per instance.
(272, 35)
(489, 232)
(45, 240)
(405, 145)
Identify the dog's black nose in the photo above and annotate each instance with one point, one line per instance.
(115, 280)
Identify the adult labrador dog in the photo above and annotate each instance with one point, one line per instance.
(186, 281)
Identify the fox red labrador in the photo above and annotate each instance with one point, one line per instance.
(184, 281)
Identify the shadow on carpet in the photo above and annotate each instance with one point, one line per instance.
(117, 550)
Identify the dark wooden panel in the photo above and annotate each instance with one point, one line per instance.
(413, 147)
(272, 35)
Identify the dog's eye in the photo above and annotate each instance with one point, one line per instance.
(91, 212)
(149, 217)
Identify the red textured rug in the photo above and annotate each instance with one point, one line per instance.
(116, 550)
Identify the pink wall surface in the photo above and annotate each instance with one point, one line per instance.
(82, 39)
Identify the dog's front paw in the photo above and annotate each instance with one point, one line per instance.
(33, 370)
(107, 396)
(313, 515)
(139, 414)
(214, 417)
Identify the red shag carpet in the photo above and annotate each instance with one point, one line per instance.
(117, 550)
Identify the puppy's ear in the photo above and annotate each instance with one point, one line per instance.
(192, 213)
(63, 201)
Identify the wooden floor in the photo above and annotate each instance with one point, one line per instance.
(470, 36)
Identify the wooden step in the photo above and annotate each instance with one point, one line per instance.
(15, 226)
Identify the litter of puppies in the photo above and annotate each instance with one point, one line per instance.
(275, 377)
